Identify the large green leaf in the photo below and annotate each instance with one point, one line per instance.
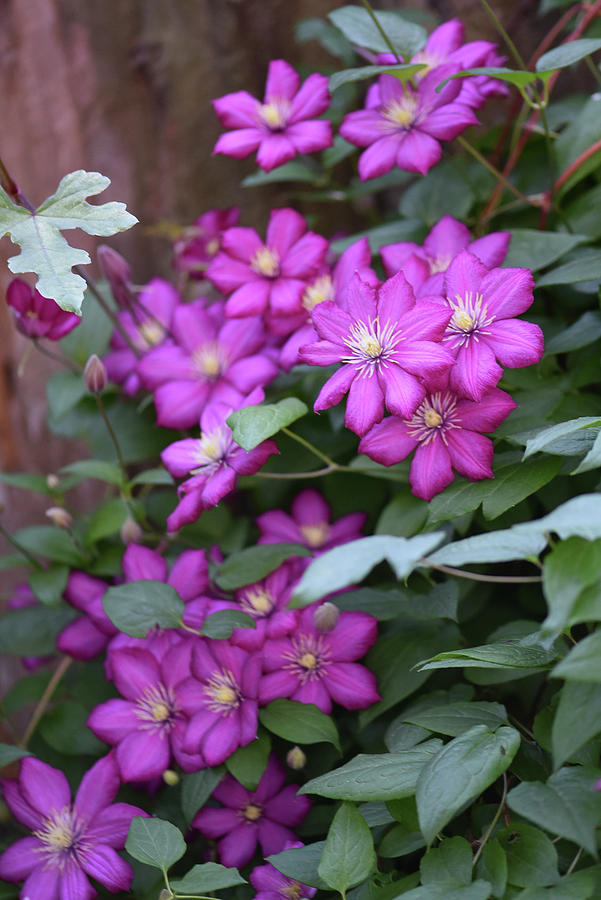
(49, 584)
(9, 754)
(496, 546)
(533, 249)
(206, 878)
(585, 267)
(439, 603)
(359, 28)
(462, 770)
(402, 72)
(51, 542)
(348, 855)
(137, 606)
(567, 54)
(302, 723)
(585, 330)
(350, 563)
(248, 763)
(531, 857)
(254, 424)
(155, 842)
(196, 789)
(583, 662)
(220, 624)
(583, 131)
(577, 718)
(300, 863)
(32, 630)
(448, 865)
(456, 718)
(510, 654)
(578, 517)
(381, 776)
(581, 432)
(492, 867)
(478, 890)
(566, 805)
(44, 250)
(254, 563)
(570, 567)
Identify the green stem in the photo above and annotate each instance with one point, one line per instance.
(317, 473)
(593, 68)
(113, 437)
(28, 556)
(475, 576)
(491, 827)
(311, 448)
(56, 356)
(106, 308)
(385, 37)
(497, 23)
(493, 170)
(45, 698)
(574, 862)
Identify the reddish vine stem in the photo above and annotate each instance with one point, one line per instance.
(573, 167)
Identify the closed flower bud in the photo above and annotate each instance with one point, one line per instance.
(296, 759)
(326, 616)
(60, 517)
(117, 272)
(95, 375)
(166, 895)
(52, 481)
(170, 777)
(131, 531)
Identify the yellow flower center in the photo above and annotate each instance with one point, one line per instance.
(252, 812)
(222, 692)
(463, 320)
(211, 247)
(275, 113)
(294, 891)
(30, 314)
(401, 113)
(209, 446)
(315, 535)
(266, 261)
(152, 332)
(259, 600)
(210, 360)
(308, 660)
(321, 289)
(58, 836)
(432, 418)
(160, 712)
(226, 695)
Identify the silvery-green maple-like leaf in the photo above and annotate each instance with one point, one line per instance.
(44, 250)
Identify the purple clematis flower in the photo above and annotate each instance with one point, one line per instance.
(147, 325)
(446, 240)
(272, 274)
(385, 340)
(265, 815)
(272, 885)
(148, 726)
(214, 460)
(200, 242)
(280, 127)
(317, 667)
(70, 841)
(405, 126)
(445, 433)
(37, 316)
(309, 525)
(220, 700)
(482, 333)
(214, 360)
(90, 633)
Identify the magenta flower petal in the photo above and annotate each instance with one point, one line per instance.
(113, 720)
(74, 885)
(309, 137)
(238, 847)
(430, 469)
(403, 391)
(360, 126)
(286, 295)
(273, 837)
(274, 150)
(277, 684)
(380, 158)
(286, 227)
(475, 370)
(19, 807)
(214, 823)
(331, 322)
(283, 81)
(313, 692)
(354, 634)
(365, 404)
(188, 510)
(418, 152)
(247, 463)
(287, 807)
(471, 454)
(224, 740)
(516, 343)
(388, 442)
(321, 353)
(141, 563)
(426, 322)
(43, 884)
(239, 143)
(81, 639)
(98, 787)
(111, 825)
(277, 526)
(143, 755)
(43, 787)
(449, 121)
(135, 671)
(106, 866)
(486, 415)
(352, 685)
(312, 99)
(395, 298)
(305, 257)
(492, 248)
(189, 574)
(217, 486)
(237, 110)
(423, 358)
(20, 859)
(335, 388)
(249, 300)
(163, 364)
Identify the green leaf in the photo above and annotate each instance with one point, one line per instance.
(582, 885)
(301, 863)
(400, 841)
(568, 54)
(439, 603)
(578, 517)
(585, 330)
(492, 867)
(49, 584)
(206, 878)
(445, 190)
(577, 719)
(12, 561)
(220, 624)
(25, 482)
(531, 857)
(359, 28)
(32, 630)
(94, 468)
(350, 563)
(585, 428)
(456, 718)
(254, 424)
(300, 723)
(254, 563)
(404, 516)
(584, 268)
(583, 131)
(51, 542)
(9, 754)
(296, 170)
(44, 250)
(381, 776)
(64, 390)
(196, 789)
(570, 567)
(533, 249)
(460, 772)
(137, 606)
(348, 855)
(340, 150)
(155, 842)
(566, 805)
(248, 763)
(94, 331)
(153, 476)
(64, 729)
(495, 546)
(106, 520)
(583, 662)
(448, 865)
(518, 77)
(516, 654)
(478, 890)
(403, 72)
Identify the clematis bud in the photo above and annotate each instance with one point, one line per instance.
(95, 375)
(60, 517)
(52, 481)
(325, 617)
(296, 759)
(170, 777)
(166, 895)
(131, 531)
(117, 272)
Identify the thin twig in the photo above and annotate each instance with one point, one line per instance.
(475, 576)
(492, 825)
(45, 699)
(71, 364)
(376, 22)
(106, 308)
(28, 556)
(317, 473)
(494, 171)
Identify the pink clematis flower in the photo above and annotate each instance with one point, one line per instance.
(265, 815)
(272, 885)
(385, 340)
(214, 460)
(200, 242)
(70, 841)
(213, 360)
(148, 726)
(280, 127)
(445, 433)
(147, 325)
(268, 275)
(317, 667)
(446, 240)
(482, 333)
(406, 125)
(220, 700)
(37, 316)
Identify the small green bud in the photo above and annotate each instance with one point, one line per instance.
(60, 517)
(170, 777)
(95, 375)
(296, 759)
(325, 617)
